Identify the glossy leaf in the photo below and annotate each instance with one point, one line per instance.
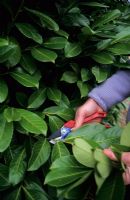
(66, 161)
(103, 58)
(55, 43)
(59, 150)
(94, 4)
(63, 176)
(6, 133)
(33, 191)
(88, 131)
(54, 95)
(55, 123)
(83, 87)
(72, 50)
(99, 73)
(45, 20)
(14, 195)
(25, 79)
(17, 167)
(113, 187)
(11, 114)
(10, 53)
(103, 165)
(122, 35)
(43, 55)
(64, 113)
(37, 98)
(120, 49)
(3, 90)
(40, 154)
(125, 140)
(4, 179)
(28, 63)
(62, 33)
(29, 31)
(83, 153)
(69, 77)
(85, 74)
(109, 16)
(3, 42)
(87, 31)
(103, 44)
(32, 122)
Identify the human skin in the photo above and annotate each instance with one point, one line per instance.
(89, 108)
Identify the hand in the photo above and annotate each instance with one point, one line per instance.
(125, 159)
(87, 109)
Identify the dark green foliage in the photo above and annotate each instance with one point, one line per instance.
(52, 53)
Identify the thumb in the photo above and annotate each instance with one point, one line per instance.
(109, 154)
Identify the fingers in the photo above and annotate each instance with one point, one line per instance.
(126, 158)
(126, 176)
(79, 118)
(110, 154)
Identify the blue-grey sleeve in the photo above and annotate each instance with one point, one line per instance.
(112, 91)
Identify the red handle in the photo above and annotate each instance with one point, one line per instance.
(71, 123)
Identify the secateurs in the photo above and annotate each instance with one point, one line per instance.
(66, 129)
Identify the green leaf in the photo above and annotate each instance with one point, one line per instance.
(37, 98)
(62, 33)
(87, 31)
(108, 17)
(59, 150)
(94, 4)
(84, 88)
(62, 112)
(120, 49)
(72, 49)
(3, 90)
(25, 79)
(125, 137)
(65, 170)
(85, 74)
(6, 133)
(11, 114)
(88, 131)
(54, 95)
(17, 167)
(99, 181)
(10, 53)
(83, 153)
(4, 181)
(103, 165)
(55, 123)
(99, 73)
(3, 42)
(66, 162)
(28, 63)
(69, 77)
(63, 176)
(30, 32)
(124, 34)
(103, 44)
(40, 154)
(43, 55)
(45, 20)
(32, 122)
(103, 58)
(33, 191)
(113, 187)
(55, 43)
(14, 195)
